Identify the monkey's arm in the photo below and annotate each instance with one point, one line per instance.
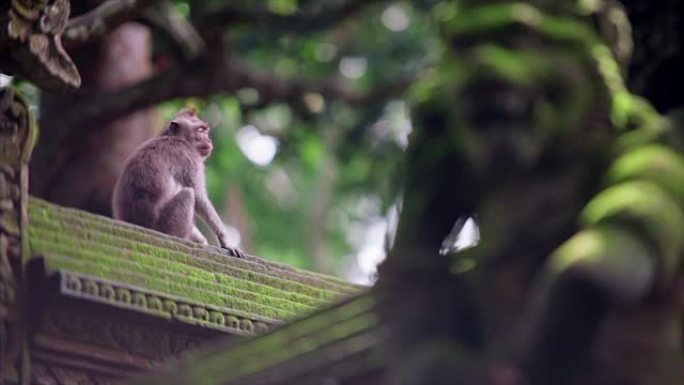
(207, 212)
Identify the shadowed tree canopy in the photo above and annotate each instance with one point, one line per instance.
(322, 81)
(556, 124)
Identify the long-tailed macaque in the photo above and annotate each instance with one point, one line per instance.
(162, 185)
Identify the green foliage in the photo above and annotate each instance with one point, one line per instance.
(353, 152)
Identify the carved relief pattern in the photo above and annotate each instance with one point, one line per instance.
(14, 123)
(135, 338)
(173, 308)
(42, 374)
(118, 334)
(16, 141)
(30, 42)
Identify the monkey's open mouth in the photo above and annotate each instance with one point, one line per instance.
(204, 150)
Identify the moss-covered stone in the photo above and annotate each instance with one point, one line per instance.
(346, 333)
(80, 242)
(104, 229)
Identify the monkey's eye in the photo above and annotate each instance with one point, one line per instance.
(202, 129)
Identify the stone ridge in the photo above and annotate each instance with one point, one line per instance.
(332, 343)
(162, 305)
(98, 249)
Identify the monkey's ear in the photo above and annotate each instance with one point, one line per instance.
(174, 127)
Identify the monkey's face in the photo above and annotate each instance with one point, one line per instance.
(191, 128)
(201, 139)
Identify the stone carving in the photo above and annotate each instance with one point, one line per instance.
(42, 374)
(16, 143)
(138, 299)
(31, 45)
(122, 335)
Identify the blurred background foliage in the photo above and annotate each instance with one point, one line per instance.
(310, 115)
(311, 185)
(308, 100)
(310, 181)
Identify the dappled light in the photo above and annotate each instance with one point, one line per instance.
(353, 67)
(395, 18)
(259, 149)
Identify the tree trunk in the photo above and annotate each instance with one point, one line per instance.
(78, 166)
(326, 177)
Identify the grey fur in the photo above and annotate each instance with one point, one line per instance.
(162, 186)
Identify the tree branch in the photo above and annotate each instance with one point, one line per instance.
(314, 18)
(226, 76)
(96, 23)
(180, 32)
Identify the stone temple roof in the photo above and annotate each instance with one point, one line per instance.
(94, 258)
(340, 344)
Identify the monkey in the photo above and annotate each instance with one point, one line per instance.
(162, 185)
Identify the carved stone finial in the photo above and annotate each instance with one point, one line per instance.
(16, 144)
(30, 43)
(16, 129)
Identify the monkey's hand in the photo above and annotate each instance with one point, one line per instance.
(196, 236)
(234, 251)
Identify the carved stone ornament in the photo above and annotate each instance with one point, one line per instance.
(31, 45)
(160, 305)
(42, 374)
(16, 143)
(118, 334)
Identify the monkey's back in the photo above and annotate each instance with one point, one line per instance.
(152, 175)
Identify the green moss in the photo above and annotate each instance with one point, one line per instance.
(490, 17)
(656, 163)
(643, 206)
(517, 66)
(347, 335)
(486, 19)
(103, 235)
(647, 125)
(97, 246)
(595, 245)
(47, 240)
(179, 289)
(174, 284)
(89, 226)
(350, 323)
